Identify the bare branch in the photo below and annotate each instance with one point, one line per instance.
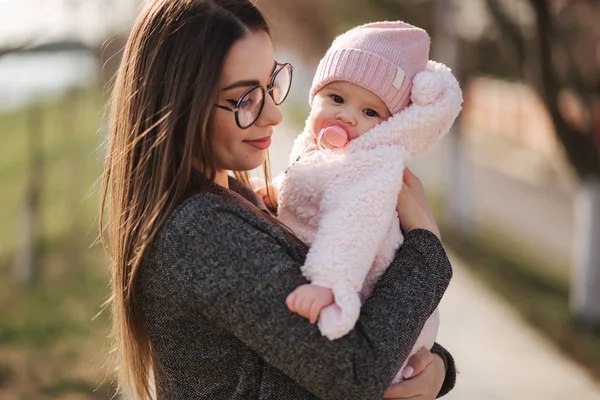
(579, 147)
(11, 49)
(509, 29)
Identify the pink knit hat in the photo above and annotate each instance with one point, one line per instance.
(382, 57)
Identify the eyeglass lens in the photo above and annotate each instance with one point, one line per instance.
(251, 104)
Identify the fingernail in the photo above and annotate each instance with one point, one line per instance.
(408, 371)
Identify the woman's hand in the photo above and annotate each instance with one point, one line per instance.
(426, 380)
(413, 210)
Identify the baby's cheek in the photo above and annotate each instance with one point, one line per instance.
(314, 125)
(354, 135)
(314, 115)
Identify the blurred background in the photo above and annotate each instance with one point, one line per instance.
(515, 185)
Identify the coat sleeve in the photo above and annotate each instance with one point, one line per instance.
(228, 265)
(450, 378)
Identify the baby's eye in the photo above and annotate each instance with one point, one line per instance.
(370, 113)
(337, 99)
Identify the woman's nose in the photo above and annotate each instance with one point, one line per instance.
(271, 114)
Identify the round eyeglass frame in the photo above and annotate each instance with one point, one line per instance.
(269, 89)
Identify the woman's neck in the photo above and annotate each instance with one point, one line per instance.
(222, 178)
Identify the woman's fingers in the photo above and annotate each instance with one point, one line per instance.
(409, 389)
(419, 361)
(422, 386)
(413, 209)
(416, 187)
(411, 179)
(410, 213)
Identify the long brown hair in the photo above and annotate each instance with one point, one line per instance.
(164, 91)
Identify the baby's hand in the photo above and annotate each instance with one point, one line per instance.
(261, 192)
(309, 300)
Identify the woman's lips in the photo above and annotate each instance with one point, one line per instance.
(260, 144)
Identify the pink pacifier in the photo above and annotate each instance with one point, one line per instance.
(332, 137)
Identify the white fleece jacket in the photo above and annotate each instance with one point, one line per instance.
(342, 202)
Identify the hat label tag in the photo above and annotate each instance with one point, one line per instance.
(399, 78)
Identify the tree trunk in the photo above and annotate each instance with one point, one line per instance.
(585, 291)
(458, 187)
(583, 155)
(579, 146)
(458, 192)
(28, 224)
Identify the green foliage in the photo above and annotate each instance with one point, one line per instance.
(52, 344)
(68, 386)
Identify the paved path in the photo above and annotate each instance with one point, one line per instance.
(499, 356)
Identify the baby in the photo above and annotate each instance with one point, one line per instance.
(376, 101)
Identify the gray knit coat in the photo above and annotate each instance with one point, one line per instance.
(212, 293)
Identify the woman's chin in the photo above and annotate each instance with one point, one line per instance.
(253, 162)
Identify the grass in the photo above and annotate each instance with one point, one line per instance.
(527, 281)
(50, 344)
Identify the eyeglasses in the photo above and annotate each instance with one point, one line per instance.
(250, 104)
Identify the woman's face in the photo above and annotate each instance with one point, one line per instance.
(251, 62)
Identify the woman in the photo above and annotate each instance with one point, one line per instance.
(200, 269)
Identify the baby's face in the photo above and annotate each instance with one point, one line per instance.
(349, 106)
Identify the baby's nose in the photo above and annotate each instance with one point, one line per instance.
(347, 118)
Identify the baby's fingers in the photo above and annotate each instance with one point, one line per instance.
(290, 301)
(304, 307)
(315, 309)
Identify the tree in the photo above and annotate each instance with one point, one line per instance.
(26, 270)
(309, 26)
(28, 220)
(458, 187)
(556, 60)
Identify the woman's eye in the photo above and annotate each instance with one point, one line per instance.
(371, 113)
(244, 104)
(337, 99)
